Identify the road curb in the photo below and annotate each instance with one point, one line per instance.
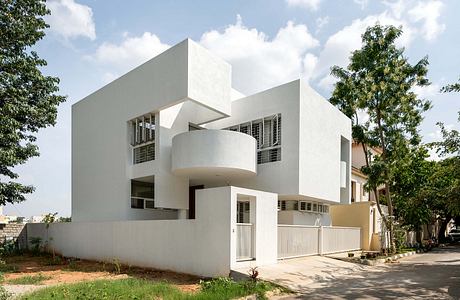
(374, 262)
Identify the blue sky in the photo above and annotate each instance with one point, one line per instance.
(268, 43)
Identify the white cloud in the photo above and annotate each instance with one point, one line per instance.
(70, 19)
(397, 7)
(131, 52)
(308, 4)
(429, 13)
(362, 3)
(309, 65)
(321, 22)
(427, 92)
(259, 62)
(338, 47)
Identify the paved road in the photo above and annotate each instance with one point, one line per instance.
(433, 275)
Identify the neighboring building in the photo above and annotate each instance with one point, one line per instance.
(143, 144)
(363, 211)
(36, 219)
(13, 219)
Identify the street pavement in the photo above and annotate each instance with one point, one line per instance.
(432, 275)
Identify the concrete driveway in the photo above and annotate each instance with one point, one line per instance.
(433, 275)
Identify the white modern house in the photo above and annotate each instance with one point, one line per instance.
(142, 144)
(171, 160)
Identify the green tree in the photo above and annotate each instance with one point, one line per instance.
(411, 198)
(378, 82)
(454, 87)
(445, 184)
(28, 99)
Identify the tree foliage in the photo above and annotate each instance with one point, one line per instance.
(454, 87)
(412, 199)
(378, 83)
(28, 99)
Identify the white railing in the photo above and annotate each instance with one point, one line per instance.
(244, 241)
(296, 240)
(299, 240)
(340, 239)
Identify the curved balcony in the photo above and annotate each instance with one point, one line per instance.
(210, 153)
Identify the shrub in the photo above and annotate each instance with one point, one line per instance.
(6, 268)
(4, 294)
(30, 279)
(117, 265)
(36, 244)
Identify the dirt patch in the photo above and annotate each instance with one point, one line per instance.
(62, 270)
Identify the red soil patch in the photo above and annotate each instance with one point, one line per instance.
(82, 270)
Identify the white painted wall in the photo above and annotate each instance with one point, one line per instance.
(264, 217)
(278, 177)
(205, 246)
(321, 128)
(312, 131)
(213, 153)
(101, 154)
(293, 217)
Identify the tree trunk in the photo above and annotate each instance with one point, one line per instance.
(442, 229)
(386, 221)
(418, 235)
(390, 215)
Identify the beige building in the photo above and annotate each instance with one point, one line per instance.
(362, 211)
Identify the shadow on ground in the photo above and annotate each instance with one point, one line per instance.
(433, 278)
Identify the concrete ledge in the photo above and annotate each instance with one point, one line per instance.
(374, 262)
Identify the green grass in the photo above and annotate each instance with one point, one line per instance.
(7, 268)
(405, 250)
(221, 288)
(29, 279)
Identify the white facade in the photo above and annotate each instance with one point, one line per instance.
(205, 246)
(142, 144)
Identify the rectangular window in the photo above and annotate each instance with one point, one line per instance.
(315, 207)
(283, 205)
(143, 138)
(137, 202)
(242, 212)
(308, 206)
(267, 132)
(143, 193)
(303, 205)
(326, 209)
(320, 208)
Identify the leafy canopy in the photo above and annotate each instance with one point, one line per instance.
(28, 99)
(378, 84)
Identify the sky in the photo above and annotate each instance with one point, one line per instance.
(267, 42)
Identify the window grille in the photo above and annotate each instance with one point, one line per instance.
(315, 207)
(303, 205)
(143, 138)
(267, 132)
(283, 205)
(144, 153)
(149, 204)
